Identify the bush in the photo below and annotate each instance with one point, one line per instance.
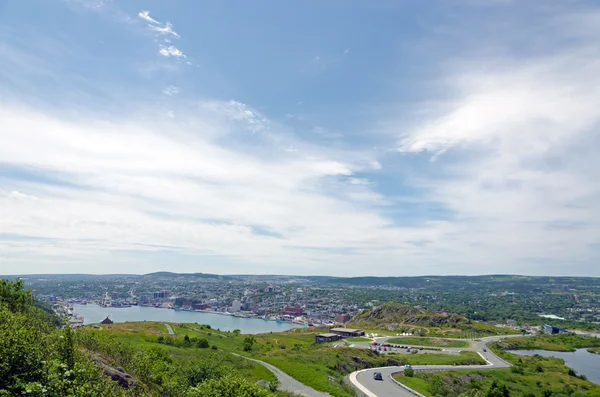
(202, 343)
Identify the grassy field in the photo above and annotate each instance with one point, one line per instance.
(563, 342)
(529, 376)
(595, 350)
(320, 366)
(434, 342)
(463, 358)
(358, 339)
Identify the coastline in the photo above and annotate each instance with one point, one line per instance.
(93, 314)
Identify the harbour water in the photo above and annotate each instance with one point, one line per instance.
(94, 314)
(580, 360)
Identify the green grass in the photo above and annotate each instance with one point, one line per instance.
(358, 339)
(553, 378)
(415, 383)
(563, 342)
(294, 352)
(146, 334)
(463, 358)
(434, 342)
(595, 350)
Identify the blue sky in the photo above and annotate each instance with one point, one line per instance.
(335, 138)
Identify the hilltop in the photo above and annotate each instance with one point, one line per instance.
(393, 316)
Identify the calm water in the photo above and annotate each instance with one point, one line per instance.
(94, 314)
(581, 361)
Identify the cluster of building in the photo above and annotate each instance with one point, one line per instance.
(337, 334)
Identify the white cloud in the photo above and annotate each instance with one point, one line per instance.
(155, 183)
(167, 29)
(20, 196)
(145, 15)
(171, 90)
(515, 150)
(171, 51)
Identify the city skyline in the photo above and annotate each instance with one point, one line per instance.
(388, 139)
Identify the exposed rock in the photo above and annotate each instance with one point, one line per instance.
(116, 374)
(398, 317)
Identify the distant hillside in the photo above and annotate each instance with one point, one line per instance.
(193, 275)
(397, 317)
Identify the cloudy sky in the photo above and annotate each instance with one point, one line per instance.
(314, 137)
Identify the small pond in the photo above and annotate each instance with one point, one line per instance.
(580, 360)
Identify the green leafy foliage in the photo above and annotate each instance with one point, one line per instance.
(38, 359)
(228, 386)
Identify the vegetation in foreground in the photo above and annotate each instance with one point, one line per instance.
(534, 376)
(37, 359)
(434, 342)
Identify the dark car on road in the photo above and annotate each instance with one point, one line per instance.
(377, 376)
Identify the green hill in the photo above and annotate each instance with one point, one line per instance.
(398, 317)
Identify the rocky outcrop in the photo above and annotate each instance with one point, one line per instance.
(398, 317)
(115, 373)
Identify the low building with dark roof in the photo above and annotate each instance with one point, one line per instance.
(347, 332)
(326, 337)
(106, 321)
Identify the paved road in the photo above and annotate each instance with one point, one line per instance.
(170, 329)
(288, 383)
(363, 380)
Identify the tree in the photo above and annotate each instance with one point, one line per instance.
(248, 343)
(409, 372)
(273, 386)
(498, 389)
(203, 343)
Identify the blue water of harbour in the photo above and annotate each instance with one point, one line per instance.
(582, 361)
(94, 314)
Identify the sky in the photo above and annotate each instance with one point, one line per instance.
(388, 138)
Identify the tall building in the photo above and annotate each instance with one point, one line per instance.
(163, 294)
(293, 311)
(236, 305)
(342, 318)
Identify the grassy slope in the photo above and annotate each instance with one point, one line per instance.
(534, 375)
(564, 342)
(146, 333)
(293, 352)
(436, 342)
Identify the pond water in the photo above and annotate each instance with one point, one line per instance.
(582, 361)
(94, 314)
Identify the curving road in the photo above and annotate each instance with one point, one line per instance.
(363, 379)
(286, 382)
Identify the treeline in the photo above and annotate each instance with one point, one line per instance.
(38, 358)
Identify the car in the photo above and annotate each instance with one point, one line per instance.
(485, 350)
(407, 366)
(377, 376)
(420, 348)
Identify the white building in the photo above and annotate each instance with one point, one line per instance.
(236, 305)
